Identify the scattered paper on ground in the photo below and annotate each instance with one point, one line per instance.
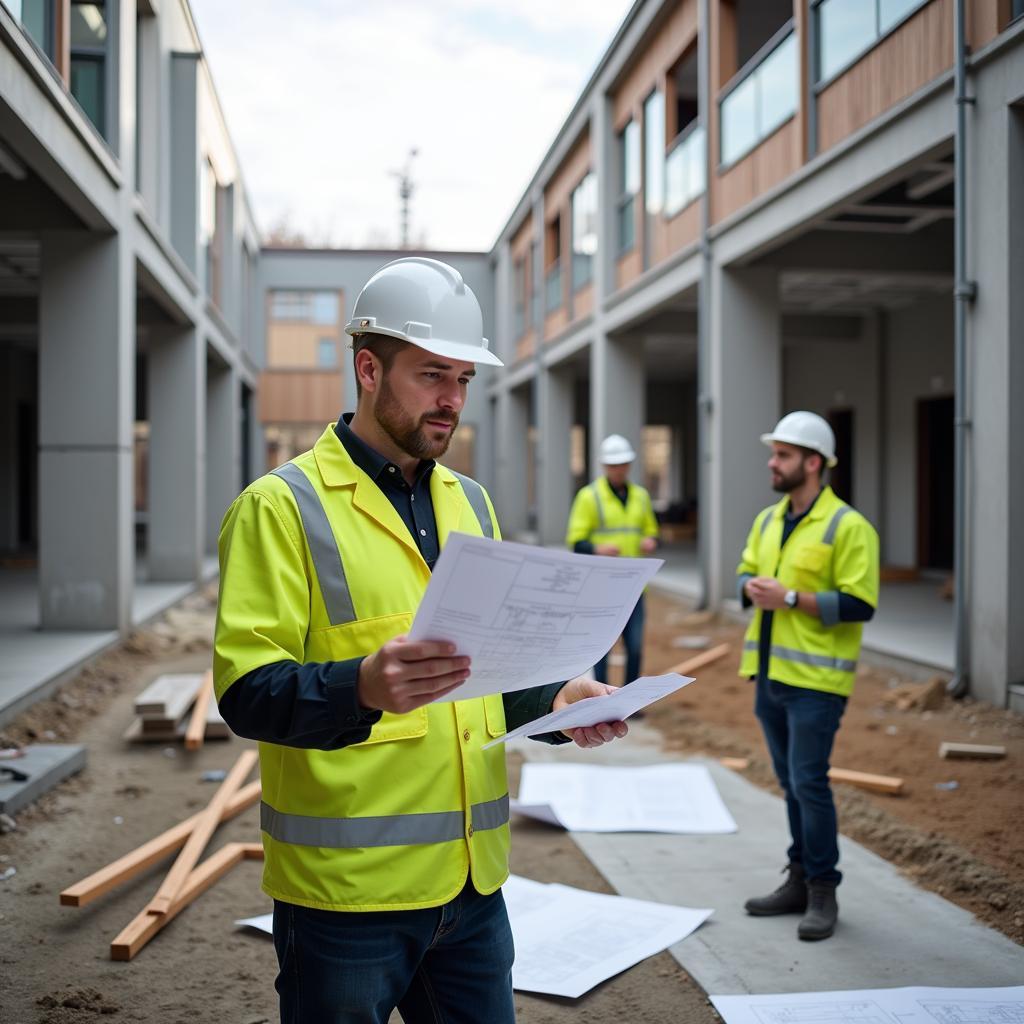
(525, 615)
(263, 923)
(878, 1006)
(616, 707)
(568, 940)
(679, 798)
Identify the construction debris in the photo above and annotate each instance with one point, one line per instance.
(737, 764)
(197, 723)
(864, 780)
(975, 751)
(39, 768)
(164, 716)
(928, 696)
(693, 642)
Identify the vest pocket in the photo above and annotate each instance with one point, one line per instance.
(494, 707)
(809, 564)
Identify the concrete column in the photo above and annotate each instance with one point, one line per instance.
(223, 446)
(184, 170)
(746, 386)
(175, 397)
(510, 497)
(995, 541)
(554, 453)
(617, 393)
(86, 405)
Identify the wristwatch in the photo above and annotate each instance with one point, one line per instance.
(791, 598)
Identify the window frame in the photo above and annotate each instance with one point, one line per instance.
(625, 197)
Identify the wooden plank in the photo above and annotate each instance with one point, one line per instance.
(738, 764)
(865, 780)
(978, 751)
(702, 660)
(146, 924)
(216, 729)
(169, 696)
(143, 857)
(197, 724)
(209, 818)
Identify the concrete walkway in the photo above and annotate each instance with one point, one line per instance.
(36, 663)
(890, 933)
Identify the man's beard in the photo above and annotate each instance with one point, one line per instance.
(407, 433)
(785, 484)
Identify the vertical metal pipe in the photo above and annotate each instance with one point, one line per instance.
(704, 306)
(963, 293)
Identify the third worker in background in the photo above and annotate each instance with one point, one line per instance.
(810, 569)
(614, 517)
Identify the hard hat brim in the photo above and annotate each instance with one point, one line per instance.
(618, 460)
(437, 346)
(766, 439)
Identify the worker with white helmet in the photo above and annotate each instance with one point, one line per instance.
(384, 820)
(613, 517)
(810, 570)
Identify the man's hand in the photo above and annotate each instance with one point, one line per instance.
(648, 545)
(606, 549)
(591, 735)
(404, 675)
(766, 592)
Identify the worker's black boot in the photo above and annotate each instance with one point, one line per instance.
(822, 910)
(789, 898)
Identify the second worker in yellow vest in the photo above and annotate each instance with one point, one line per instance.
(384, 821)
(614, 517)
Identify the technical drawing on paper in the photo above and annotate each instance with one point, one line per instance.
(861, 1011)
(975, 1011)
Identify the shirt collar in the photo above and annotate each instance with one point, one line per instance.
(368, 459)
(807, 511)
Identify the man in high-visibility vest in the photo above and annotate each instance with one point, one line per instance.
(810, 569)
(614, 517)
(384, 821)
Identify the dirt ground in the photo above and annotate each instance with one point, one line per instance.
(965, 843)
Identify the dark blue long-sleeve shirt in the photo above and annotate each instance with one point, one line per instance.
(316, 705)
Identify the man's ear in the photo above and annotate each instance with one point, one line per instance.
(369, 370)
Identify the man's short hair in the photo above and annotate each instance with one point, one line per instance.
(383, 347)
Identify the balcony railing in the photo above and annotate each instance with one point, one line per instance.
(582, 269)
(763, 96)
(685, 169)
(553, 288)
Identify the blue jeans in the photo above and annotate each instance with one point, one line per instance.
(633, 638)
(451, 963)
(800, 726)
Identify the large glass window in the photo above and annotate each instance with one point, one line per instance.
(584, 230)
(305, 307)
(654, 153)
(519, 298)
(88, 37)
(685, 171)
(629, 179)
(846, 28)
(36, 17)
(208, 240)
(327, 353)
(766, 98)
(325, 308)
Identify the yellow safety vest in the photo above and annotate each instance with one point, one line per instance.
(598, 516)
(316, 565)
(832, 548)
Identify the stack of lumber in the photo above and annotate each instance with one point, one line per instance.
(178, 707)
(188, 878)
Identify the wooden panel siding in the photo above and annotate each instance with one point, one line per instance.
(299, 396)
(555, 322)
(985, 20)
(583, 301)
(296, 344)
(918, 51)
(628, 267)
(763, 168)
(683, 229)
(572, 171)
(526, 345)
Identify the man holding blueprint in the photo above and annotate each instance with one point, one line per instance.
(384, 820)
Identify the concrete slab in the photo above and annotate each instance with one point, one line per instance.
(890, 933)
(44, 765)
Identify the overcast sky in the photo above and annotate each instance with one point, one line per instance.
(325, 98)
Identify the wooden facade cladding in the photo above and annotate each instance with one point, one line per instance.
(521, 249)
(985, 20)
(300, 396)
(628, 267)
(917, 52)
(774, 160)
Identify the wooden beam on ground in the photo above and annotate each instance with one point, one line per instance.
(138, 860)
(737, 764)
(195, 844)
(702, 660)
(864, 780)
(977, 751)
(169, 696)
(146, 924)
(197, 723)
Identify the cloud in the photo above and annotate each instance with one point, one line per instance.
(325, 103)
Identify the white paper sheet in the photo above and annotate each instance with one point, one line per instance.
(917, 1005)
(616, 707)
(262, 923)
(568, 940)
(679, 798)
(525, 615)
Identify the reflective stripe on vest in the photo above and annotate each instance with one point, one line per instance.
(830, 533)
(323, 549)
(804, 657)
(475, 493)
(327, 561)
(389, 830)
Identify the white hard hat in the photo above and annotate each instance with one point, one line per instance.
(615, 450)
(808, 430)
(426, 303)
